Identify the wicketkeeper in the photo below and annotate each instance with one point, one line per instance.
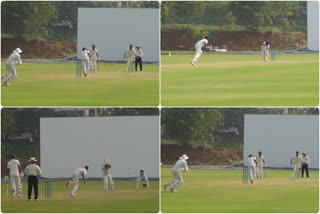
(108, 182)
(143, 176)
(15, 171)
(75, 179)
(180, 165)
(14, 58)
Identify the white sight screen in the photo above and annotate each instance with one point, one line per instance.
(112, 30)
(69, 143)
(280, 136)
(313, 25)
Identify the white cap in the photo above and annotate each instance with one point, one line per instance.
(32, 159)
(304, 153)
(138, 46)
(17, 50)
(184, 157)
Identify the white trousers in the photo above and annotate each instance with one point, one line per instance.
(295, 171)
(93, 65)
(139, 179)
(177, 180)
(16, 185)
(75, 181)
(107, 179)
(197, 54)
(259, 170)
(85, 65)
(129, 65)
(252, 171)
(11, 73)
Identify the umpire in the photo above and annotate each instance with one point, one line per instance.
(33, 171)
(305, 163)
(139, 55)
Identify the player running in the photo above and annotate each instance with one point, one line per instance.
(252, 163)
(14, 58)
(181, 164)
(94, 58)
(200, 44)
(85, 60)
(75, 179)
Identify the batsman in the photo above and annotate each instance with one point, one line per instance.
(108, 182)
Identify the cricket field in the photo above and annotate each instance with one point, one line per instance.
(240, 80)
(90, 199)
(222, 191)
(56, 84)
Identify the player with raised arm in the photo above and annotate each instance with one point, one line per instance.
(75, 179)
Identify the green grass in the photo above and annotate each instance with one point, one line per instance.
(222, 191)
(240, 80)
(55, 84)
(90, 199)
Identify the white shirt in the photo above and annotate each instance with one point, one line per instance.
(143, 173)
(130, 54)
(263, 47)
(305, 159)
(296, 160)
(32, 169)
(260, 160)
(180, 165)
(94, 53)
(139, 52)
(202, 43)
(251, 161)
(105, 171)
(79, 172)
(14, 58)
(84, 54)
(13, 165)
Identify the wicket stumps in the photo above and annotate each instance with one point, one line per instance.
(78, 69)
(273, 55)
(47, 189)
(245, 175)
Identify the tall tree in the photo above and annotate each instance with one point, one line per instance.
(221, 11)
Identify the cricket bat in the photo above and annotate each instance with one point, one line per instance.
(106, 159)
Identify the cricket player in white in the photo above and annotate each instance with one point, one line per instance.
(85, 58)
(200, 44)
(181, 164)
(261, 165)
(252, 163)
(143, 176)
(15, 171)
(94, 57)
(108, 182)
(295, 161)
(129, 54)
(265, 50)
(75, 179)
(14, 58)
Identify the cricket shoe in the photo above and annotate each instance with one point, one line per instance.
(6, 84)
(85, 74)
(67, 184)
(36, 199)
(192, 63)
(173, 190)
(73, 195)
(165, 188)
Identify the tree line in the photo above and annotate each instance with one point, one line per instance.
(252, 15)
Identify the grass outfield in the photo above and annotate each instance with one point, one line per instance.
(90, 199)
(222, 191)
(240, 80)
(55, 84)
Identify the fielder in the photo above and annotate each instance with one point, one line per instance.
(14, 58)
(181, 164)
(295, 161)
(15, 171)
(94, 58)
(200, 44)
(75, 179)
(252, 162)
(261, 164)
(108, 182)
(142, 175)
(85, 58)
(129, 54)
